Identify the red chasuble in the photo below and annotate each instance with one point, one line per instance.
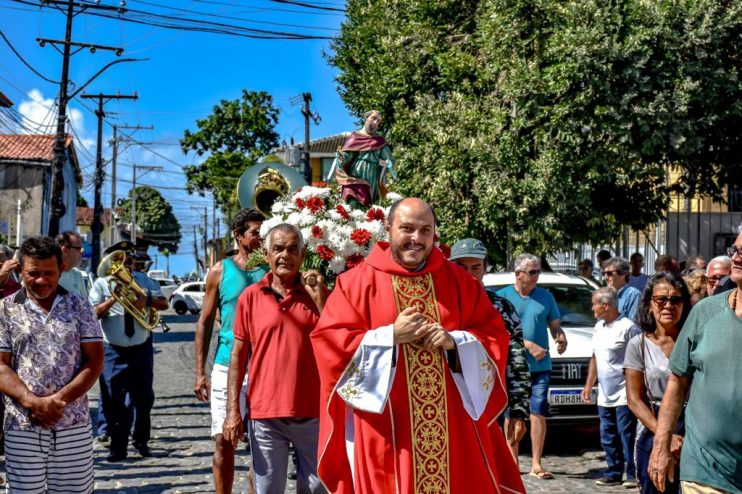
(424, 441)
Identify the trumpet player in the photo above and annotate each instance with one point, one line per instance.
(129, 358)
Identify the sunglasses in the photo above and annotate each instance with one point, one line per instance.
(731, 251)
(663, 300)
(611, 273)
(532, 272)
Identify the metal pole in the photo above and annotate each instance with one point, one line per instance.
(18, 224)
(133, 229)
(206, 236)
(112, 216)
(214, 236)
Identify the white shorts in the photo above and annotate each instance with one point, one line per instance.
(219, 398)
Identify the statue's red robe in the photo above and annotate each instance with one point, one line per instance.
(424, 441)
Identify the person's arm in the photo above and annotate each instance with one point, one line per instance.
(91, 367)
(204, 329)
(592, 377)
(100, 299)
(662, 461)
(233, 428)
(44, 410)
(6, 269)
(635, 393)
(314, 284)
(557, 333)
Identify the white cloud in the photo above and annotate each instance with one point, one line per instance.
(41, 117)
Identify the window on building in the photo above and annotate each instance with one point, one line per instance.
(326, 167)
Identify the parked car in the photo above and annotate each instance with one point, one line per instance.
(573, 296)
(167, 286)
(188, 297)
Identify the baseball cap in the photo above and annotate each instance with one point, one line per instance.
(468, 247)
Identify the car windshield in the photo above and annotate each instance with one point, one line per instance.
(574, 302)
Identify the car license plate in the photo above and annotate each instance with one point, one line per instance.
(565, 397)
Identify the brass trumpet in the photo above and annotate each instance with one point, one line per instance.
(125, 290)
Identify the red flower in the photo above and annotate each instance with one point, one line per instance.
(315, 204)
(299, 203)
(316, 232)
(375, 214)
(354, 260)
(342, 211)
(360, 236)
(325, 253)
(319, 183)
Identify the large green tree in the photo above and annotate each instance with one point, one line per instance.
(155, 218)
(233, 138)
(537, 125)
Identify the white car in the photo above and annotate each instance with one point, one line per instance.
(167, 286)
(188, 297)
(573, 296)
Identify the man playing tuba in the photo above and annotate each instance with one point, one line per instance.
(129, 357)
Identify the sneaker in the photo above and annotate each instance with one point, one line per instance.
(608, 481)
(630, 483)
(104, 439)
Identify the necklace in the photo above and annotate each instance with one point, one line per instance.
(734, 301)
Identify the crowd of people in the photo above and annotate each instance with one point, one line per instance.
(407, 376)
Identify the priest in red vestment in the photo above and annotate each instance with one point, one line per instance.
(411, 357)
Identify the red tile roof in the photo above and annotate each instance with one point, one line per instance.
(27, 147)
(85, 216)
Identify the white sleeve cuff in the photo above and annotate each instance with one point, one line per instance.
(367, 380)
(478, 373)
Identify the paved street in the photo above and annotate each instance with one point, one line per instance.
(181, 443)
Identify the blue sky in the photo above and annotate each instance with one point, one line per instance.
(186, 75)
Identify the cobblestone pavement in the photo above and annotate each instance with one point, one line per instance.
(183, 449)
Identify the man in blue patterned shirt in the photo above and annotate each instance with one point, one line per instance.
(51, 354)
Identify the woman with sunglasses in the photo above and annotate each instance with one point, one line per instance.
(663, 309)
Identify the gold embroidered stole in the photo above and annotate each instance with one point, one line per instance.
(426, 388)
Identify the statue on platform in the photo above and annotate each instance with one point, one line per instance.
(362, 164)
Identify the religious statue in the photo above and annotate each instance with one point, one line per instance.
(361, 165)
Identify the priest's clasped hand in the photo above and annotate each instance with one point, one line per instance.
(411, 326)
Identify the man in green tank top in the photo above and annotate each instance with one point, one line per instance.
(224, 284)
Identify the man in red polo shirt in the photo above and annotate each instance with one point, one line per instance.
(273, 320)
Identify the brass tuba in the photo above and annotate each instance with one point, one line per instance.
(125, 290)
(262, 184)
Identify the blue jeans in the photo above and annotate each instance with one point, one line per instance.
(617, 436)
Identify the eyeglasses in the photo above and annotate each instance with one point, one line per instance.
(532, 272)
(662, 300)
(76, 247)
(611, 273)
(731, 251)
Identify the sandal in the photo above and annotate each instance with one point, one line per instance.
(542, 474)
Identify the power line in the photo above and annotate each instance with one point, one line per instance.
(20, 57)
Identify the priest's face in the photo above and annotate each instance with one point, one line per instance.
(284, 253)
(411, 233)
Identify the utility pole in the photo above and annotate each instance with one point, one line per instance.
(195, 250)
(133, 228)
(58, 208)
(97, 226)
(307, 112)
(114, 142)
(206, 237)
(214, 231)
